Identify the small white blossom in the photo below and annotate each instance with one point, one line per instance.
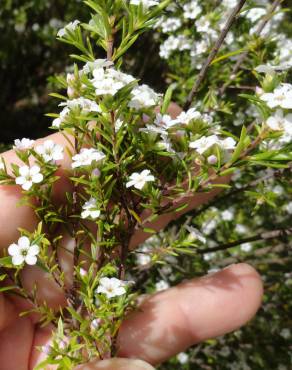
(86, 157)
(246, 247)
(279, 122)
(146, 3)
(29, 176)
(71, 27)
(90, 210)
(161, 285)
(86, 105)
(182, 358)
(57, 122)
(192, 10)
(23, 144)
(255, 14)
(2, 167)
(111, 287)
(227, 215)
(206, 142)
(280, 97)
(109, 81)
(143, 97)
(241, 229)
(289, 208)
(143, 259)
(174, 43)
(50, 151)
(23, 251)
(171, 24)
(285, 333)
(188, 116)
(138, 180)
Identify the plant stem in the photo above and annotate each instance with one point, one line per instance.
(244, 55)
(266, 235)
(231, 19)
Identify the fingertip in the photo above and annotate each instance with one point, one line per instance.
(116, 364)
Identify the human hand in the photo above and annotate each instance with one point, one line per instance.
(167, 322)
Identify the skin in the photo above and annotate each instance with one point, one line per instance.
(167, 322)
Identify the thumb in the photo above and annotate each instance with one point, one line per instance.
(116, 364)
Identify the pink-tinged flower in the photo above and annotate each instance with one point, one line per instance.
(29, 176)
(23, 251)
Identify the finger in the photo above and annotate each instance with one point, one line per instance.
(7, 312)
(171, 321)
(15, 344)
(13, 216)
(116, 364)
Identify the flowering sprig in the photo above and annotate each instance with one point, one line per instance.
(130, 162)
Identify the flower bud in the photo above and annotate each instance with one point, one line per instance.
(212, 159)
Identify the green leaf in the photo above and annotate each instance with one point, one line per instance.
(167, 99)
(5, 261)
(228, 55)
(240, 146)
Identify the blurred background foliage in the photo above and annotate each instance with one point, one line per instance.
(30, 55)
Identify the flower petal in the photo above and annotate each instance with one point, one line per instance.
(13, 249)
(18, 259)
(31, 260)
(34, 250)
(23, 242)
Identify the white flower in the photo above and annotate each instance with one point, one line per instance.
(186, 117)
(164, 120)
(23, 251)
(2, 167)
(86, 105)
(146, 3)
(241, 229)
(50, 151)
(118, 124)
(192, 10)
(138, 180)
(285, 333)
(143, 97)
(206, 142)
(246, 247)
(143, 259)
(174, 43)
(111, 287)
(203, 25)
(279, 122)
(90, 209)
(255, 14)
(71, 27)
(57, 122)
(161, 285)
(182, 358)
(86, 157)
(289, 208)
(23, 144)
(280, 97)
(227, 215)
(171, 24)
(29, 176)
(109, 81)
